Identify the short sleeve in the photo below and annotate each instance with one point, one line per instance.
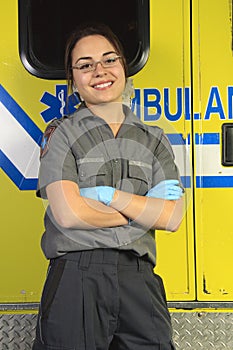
(57, 161)
(164, 166)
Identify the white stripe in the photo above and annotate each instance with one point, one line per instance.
(208, 161)
(207, 157)
(182, 159)
(18, 145)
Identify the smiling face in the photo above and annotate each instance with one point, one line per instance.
(102, 85)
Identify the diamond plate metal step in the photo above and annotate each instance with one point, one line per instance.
(192, 330)
(17, 332)
(203, 330)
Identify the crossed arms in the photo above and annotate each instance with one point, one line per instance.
(71, 209)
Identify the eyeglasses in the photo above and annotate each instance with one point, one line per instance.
(90, 66)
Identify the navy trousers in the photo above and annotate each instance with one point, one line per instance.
(103, 299)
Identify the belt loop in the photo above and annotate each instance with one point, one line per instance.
(85, 259)
(140, 265)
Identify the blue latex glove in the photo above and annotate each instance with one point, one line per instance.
(167, 189)
(102, 194)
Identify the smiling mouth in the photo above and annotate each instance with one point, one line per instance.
(103, 85)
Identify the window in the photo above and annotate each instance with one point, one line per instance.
(44, 26)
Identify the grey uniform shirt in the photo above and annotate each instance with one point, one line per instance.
(82, 148)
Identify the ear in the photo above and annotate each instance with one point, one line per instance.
(74, 89)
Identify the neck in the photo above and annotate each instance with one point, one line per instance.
(111, 112)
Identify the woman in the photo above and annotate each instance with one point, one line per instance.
(110, 182)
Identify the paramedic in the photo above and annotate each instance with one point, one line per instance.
(110, 181)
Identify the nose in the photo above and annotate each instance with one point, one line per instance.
(99, 69)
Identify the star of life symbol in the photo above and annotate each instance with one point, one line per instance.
(59, 105)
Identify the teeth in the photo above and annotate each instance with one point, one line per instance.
(101, 86)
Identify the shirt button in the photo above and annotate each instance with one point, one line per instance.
(82, 173)
(115, 160)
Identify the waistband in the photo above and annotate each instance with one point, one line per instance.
(106, 256)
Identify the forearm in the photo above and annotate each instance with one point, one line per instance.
(90, 214)
(70, 210)
(149, 212)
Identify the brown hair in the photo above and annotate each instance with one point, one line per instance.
(86, 30)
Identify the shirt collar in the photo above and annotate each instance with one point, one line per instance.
(130, 118)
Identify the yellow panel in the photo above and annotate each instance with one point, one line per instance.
(23, 266)
(213, 71)
(215, 260)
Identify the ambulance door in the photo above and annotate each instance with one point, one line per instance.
(213, 116)
(163, 92)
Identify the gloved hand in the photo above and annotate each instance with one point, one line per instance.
(167, 189)
(102, 194)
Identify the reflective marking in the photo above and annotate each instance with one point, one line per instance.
(19, 143)
(214, 181)
(90, 160)
(140, 164)
(20, 139)
(207, 139)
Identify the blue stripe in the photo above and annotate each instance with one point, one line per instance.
(176, 139)
(207, 139)
(15, 175)
(208, 181)
(22, 118)
(214, 181)
(186, 181)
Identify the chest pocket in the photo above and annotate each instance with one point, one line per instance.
(140, 176)
(92, 172)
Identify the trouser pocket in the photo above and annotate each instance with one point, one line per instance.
(60, 307)
(51, 285)
(73, 314)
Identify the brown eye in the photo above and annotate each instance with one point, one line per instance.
(85, 66)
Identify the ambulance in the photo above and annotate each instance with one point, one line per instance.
(180, 56)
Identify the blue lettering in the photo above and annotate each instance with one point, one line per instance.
(214, 99)
(177, 115)
(148, 104)
(153, 107)
(187, 104)
(230, 95)
(197, 116)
